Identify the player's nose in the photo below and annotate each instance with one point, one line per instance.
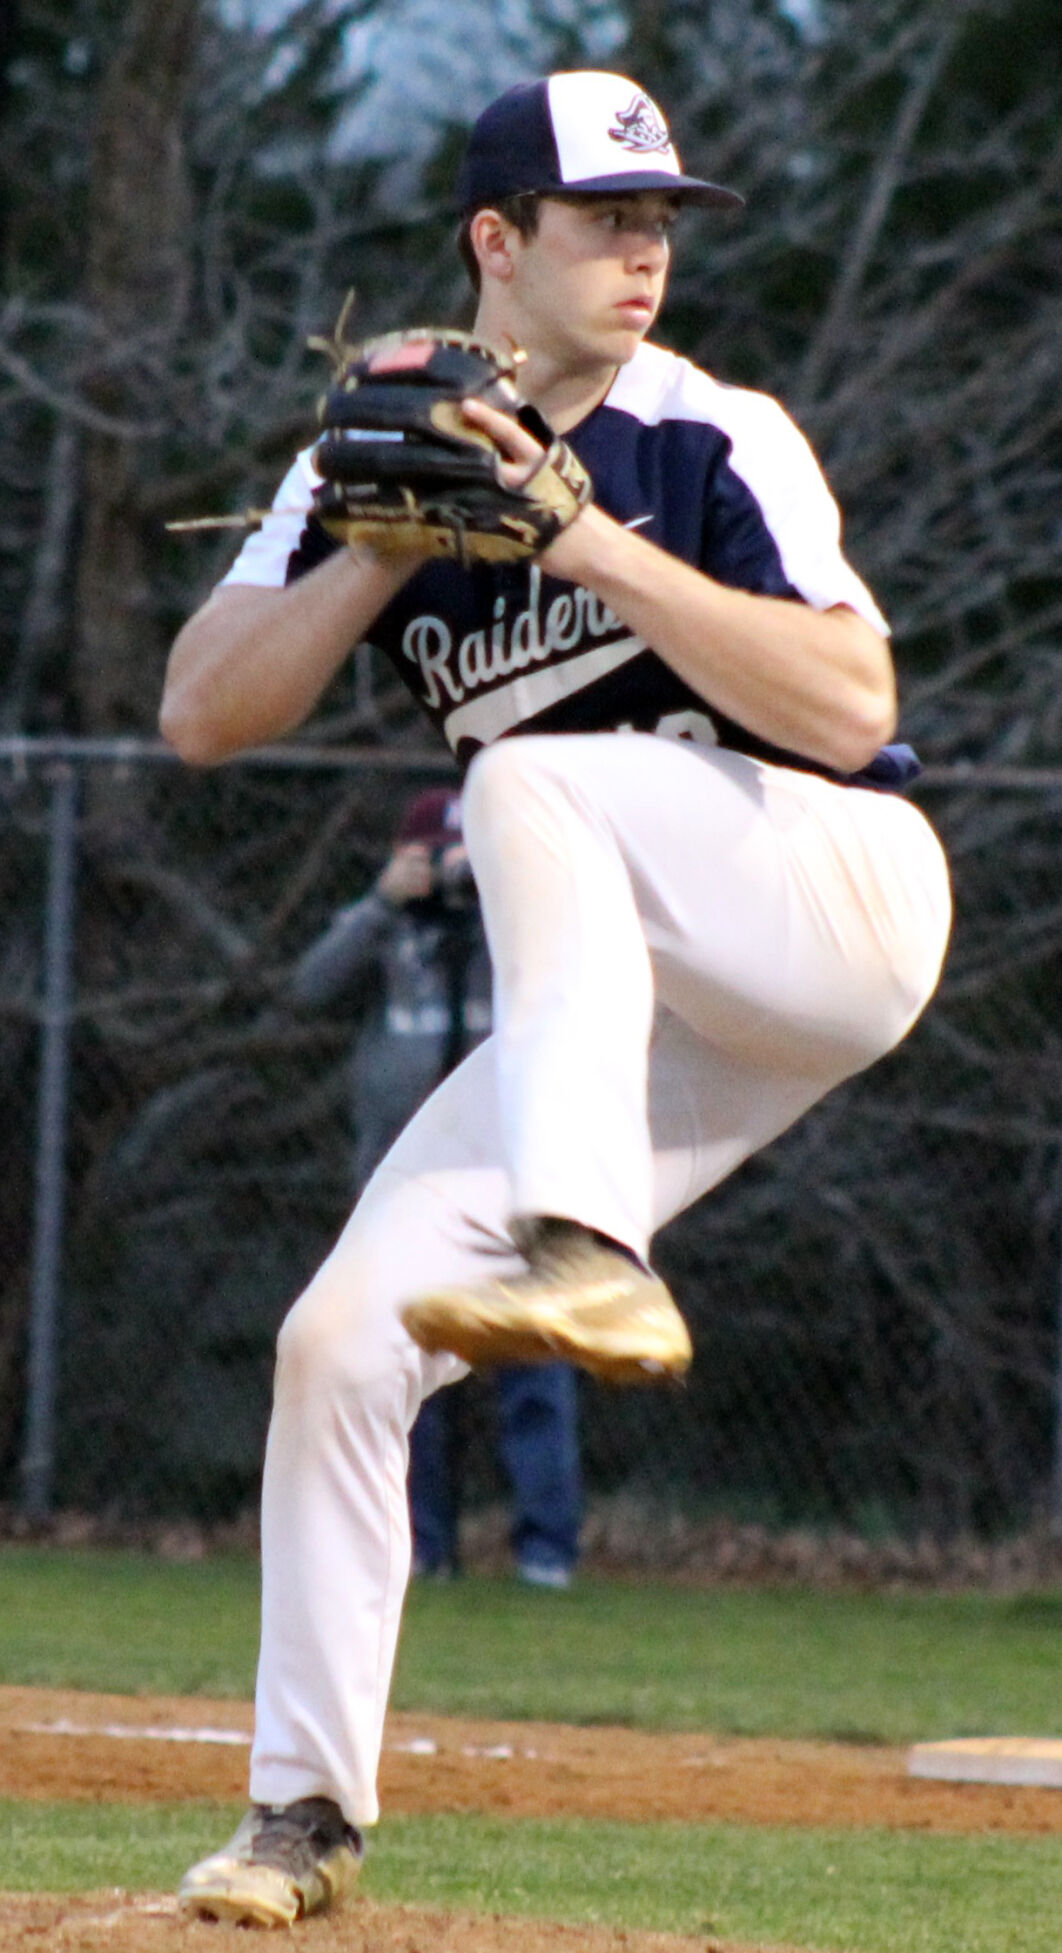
(649, 250)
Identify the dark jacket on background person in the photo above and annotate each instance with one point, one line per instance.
(419, 973)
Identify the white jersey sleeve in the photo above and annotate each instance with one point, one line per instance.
(265, 555)
(769, 456)
(778, 464)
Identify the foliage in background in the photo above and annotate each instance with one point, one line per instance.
(873, 1300)
(187, 198)
(894, 278)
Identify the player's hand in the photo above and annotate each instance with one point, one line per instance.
(407, 876)
(405, 470)
(523, 453)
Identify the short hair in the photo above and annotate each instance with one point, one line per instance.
(520, 211)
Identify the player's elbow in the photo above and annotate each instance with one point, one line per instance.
(865, 705)
(204, 715)
(183, 735)
(863, 728)
(191, 733)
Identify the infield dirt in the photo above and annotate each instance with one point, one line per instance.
(63, 1745)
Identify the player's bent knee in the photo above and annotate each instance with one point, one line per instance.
(329, 1342)
(305, 1351)
(512, 782)
(489, 780)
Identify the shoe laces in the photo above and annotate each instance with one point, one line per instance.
(296, 1836)
(488, 1241)
(554, 1248)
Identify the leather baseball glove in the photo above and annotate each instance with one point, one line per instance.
(404, 472)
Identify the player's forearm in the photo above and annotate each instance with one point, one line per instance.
(251, 664)
(818, 683)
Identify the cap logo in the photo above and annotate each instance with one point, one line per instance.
(641, 127)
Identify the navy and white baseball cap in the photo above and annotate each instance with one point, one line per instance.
(582, 133)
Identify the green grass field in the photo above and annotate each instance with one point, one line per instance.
(875, 1668)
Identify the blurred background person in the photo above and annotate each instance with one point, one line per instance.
(411, 961)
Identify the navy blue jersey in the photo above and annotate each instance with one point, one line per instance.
(719, 476)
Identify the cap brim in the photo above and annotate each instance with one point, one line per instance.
(689, 189)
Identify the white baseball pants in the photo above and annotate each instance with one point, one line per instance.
(690, 949)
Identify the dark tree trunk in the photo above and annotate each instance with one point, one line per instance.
(137, 287)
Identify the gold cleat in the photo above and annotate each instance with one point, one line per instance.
(579, 1302)
(281, 1864)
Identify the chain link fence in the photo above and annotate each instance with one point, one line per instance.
(874, 1300)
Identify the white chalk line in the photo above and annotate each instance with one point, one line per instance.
(238, 1738)
(144, 1732)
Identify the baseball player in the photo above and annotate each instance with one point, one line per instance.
(704, 904)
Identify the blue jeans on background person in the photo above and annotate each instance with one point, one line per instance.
(537, 1437)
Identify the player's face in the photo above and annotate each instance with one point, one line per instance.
(589, 284)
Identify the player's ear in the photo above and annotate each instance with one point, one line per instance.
(492, 237)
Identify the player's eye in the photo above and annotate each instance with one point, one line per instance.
(619, 218)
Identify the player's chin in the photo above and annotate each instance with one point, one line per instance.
(624, 338)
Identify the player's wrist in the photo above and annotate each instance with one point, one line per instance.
(583, 545)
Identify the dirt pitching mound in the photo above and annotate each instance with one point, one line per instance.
(114, 1922)
(63, 1745)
